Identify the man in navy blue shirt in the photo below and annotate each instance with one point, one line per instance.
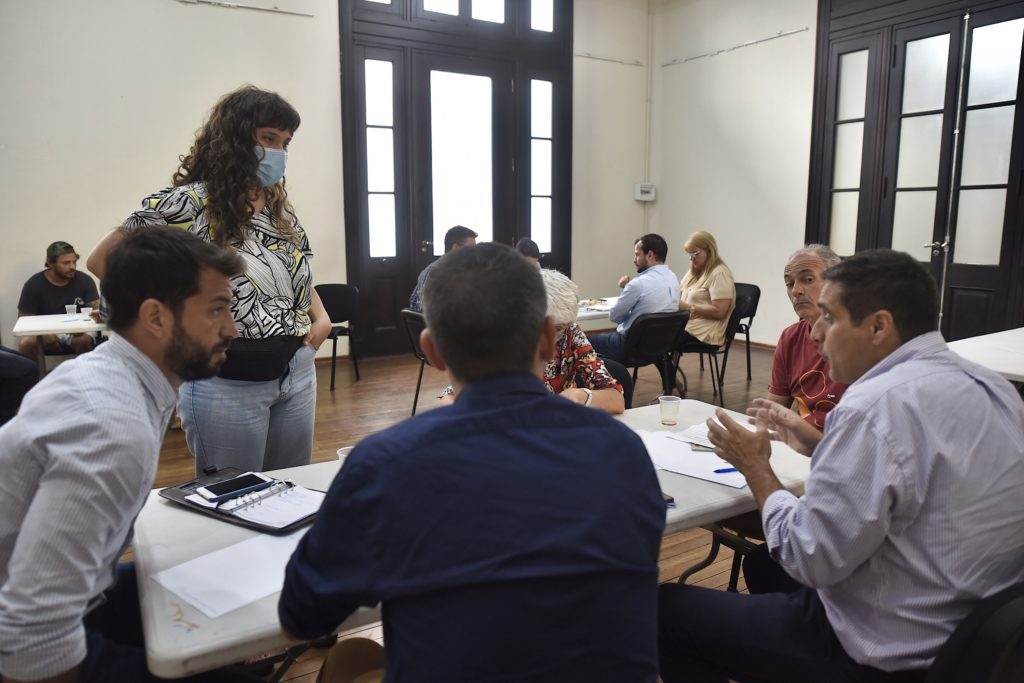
(510, 536)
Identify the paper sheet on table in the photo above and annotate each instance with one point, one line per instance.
(676, 456)
(606, 305)
(698, 433)
(232, 577)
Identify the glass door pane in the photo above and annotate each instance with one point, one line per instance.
(847, 149)
(461, 154)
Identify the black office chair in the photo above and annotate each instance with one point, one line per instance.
(713, 351)
(18, 374)
(988, 645)
(414, 324)
(653, 338)
(621, 374)
(341, 303)
(753, 294)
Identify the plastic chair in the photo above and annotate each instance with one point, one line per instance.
(621, 374)
(717, 373)
(653, 338)
(753, 293)
(988, 645)
(414, 324)
(342, 304)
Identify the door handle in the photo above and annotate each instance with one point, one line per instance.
(425, 246)
(937, 247)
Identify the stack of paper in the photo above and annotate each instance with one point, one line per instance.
(669, 453)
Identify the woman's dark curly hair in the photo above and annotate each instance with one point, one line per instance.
(223, 157)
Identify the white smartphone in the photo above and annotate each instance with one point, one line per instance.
(237, 486)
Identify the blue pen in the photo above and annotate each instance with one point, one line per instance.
(725, 470)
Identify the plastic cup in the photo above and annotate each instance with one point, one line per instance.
(71, 310)
(669, 409)
(87, 313)
(343, 453)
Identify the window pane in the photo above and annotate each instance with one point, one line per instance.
(987, 136)
(849, 143)
(995, 59)
(540, 223)
(542, 15)
(924, 77)
(979, 227)
(540, 167)
(853, 85)
(380, 160)
(460, 114)
(920, 143)
(913, 223)
(381, 217)
(843, 230)
(382, 2)
(379, 92)
(489, 10)
(540, 109)
(442, 6)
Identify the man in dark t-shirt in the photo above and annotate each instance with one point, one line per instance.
(50, 291)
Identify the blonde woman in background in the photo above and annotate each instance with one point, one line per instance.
(707, 291)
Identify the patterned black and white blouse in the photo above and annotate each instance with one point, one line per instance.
(272, 297)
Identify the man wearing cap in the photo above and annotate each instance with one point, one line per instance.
(50, 291)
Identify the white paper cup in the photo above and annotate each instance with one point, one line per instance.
(669, 409)
(343, 453)
(86, 313)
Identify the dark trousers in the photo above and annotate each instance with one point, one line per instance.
(764, 575)
(609, 344)
(18, 374)
(115, 650)
(709, 635)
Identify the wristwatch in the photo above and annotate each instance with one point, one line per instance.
(590, 396)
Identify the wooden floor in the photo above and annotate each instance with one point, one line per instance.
(384, 397)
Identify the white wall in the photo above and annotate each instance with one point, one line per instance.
(101, 96)
(731, 139)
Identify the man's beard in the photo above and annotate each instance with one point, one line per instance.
(641, 268)
(187, 358)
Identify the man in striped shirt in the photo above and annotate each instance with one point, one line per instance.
(910, 512)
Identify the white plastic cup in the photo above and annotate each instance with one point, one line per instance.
(343, 453)
(71, 310)
(87, 313)
(669, 409)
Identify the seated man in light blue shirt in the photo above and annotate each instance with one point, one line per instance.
(910, 514)
(655, 289)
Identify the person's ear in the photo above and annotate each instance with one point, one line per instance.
(155, 318)
(430, 351)
(546, 342)
(883, 329)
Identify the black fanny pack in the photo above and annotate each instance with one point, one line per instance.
(259, 360)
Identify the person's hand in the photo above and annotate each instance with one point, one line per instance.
(95, 315)
(623, 281)
(785, 425)
(575, 395)
(318, 332)
(745, 450)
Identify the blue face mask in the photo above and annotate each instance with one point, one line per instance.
(272, 165)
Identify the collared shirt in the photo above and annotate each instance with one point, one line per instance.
(511, 536)
(77, 464)
(913, 508)
(416, 298)
(656, 290)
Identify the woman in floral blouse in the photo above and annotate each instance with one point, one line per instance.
(575, 371)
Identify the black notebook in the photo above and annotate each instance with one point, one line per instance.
(279, 509)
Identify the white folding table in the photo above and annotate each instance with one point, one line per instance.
(58, 323)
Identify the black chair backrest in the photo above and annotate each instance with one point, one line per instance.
(652, 336)
(414, 323)
(737, 315)
(988, 645)
(753, 294)
(340, 301)
(621, 374)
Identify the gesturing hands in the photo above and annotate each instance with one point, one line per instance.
(744, 449)
(785, 425)
(623, 281)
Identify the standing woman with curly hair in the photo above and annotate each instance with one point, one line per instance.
(257, 414)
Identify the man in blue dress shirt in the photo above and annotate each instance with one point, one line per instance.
(911, 512)
(511, 536)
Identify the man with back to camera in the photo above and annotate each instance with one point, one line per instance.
(80, 457)
(50, 291)
(456, 238)
(655, 289)
(910, 512)
(498, 552)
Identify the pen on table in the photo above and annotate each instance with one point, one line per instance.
(725, 470)
(699, 447)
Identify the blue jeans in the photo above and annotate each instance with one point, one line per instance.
(610, 345)
(254, 426)
(114, 645)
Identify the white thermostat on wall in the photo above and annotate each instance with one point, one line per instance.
(644, 192)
